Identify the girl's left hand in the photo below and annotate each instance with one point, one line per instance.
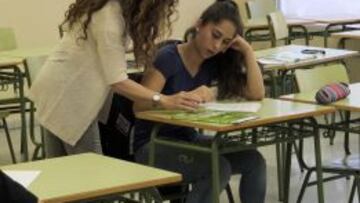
(240, 44)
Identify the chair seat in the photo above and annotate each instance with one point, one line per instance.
(348, 164)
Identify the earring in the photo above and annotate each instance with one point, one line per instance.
(197, 29)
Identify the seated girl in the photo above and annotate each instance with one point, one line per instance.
(215, 53)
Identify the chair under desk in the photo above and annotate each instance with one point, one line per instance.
(11, 74)
(344, 36)
(349, 105)
(272, 112)
(90, 176)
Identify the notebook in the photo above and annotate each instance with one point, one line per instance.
(220, 113)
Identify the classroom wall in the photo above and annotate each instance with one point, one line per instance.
(35, 21)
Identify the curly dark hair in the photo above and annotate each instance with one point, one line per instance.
(145, 21)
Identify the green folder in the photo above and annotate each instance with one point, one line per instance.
(213, 117)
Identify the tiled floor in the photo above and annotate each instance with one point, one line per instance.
(335, 191)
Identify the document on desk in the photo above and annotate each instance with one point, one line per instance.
(286, 57)
(232, 106)
(220, 113)
(24, 178)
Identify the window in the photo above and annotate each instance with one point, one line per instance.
(320, 8)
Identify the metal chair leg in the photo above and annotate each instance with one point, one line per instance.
(229, 194)
(352, 192)
(304, 185)
(358, 186)
(298, 153)
(8, 138)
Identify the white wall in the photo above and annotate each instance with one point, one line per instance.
(35, 21)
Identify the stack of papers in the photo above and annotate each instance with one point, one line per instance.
(286, 57)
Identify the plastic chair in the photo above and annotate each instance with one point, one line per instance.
(7, 39)
(311, 80)
(260, 8)
(15, 100)
(278, 28)
(319, 76)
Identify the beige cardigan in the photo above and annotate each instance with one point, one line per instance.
(74, 82)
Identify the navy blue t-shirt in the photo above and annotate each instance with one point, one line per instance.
(170, 64)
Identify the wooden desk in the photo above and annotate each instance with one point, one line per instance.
(29, 52)
(88, 176)
(343, 36)
(10, 61)
(334, 21)
(272, 112)
(331, 55)
(280, 70)
(351, 103)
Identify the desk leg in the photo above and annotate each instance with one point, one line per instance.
(274, 88)
(279, 171)
(154, 133)
(326, 35)
(347, 133)
(318, 163)
(287, 167)
(215, 170)
(24, 142)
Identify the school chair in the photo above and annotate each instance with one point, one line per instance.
(314, 79)
(279, 29)
(260, 8)
(251, 32)
(317, 77)
(7, 39)
(16, 101)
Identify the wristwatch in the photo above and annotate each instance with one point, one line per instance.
(156, 99)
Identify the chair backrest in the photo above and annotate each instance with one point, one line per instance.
(260, 8)
(319, 76)
(278, 27)
(7, 39)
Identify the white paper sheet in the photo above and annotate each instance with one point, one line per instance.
(233, 107)
(24, 178)
(285, 57)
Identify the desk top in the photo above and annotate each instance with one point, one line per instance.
(90, 175)
(351, 103)
(335, 19)
(330, 56)
(355, 34)
(10, 61)
(28, 52)
(271, 111)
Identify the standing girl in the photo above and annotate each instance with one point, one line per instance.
(89, 63)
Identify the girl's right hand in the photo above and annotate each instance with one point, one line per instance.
(182, 100)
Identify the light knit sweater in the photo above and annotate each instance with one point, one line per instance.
(75, 81)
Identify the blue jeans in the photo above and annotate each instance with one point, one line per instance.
(196, 169)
